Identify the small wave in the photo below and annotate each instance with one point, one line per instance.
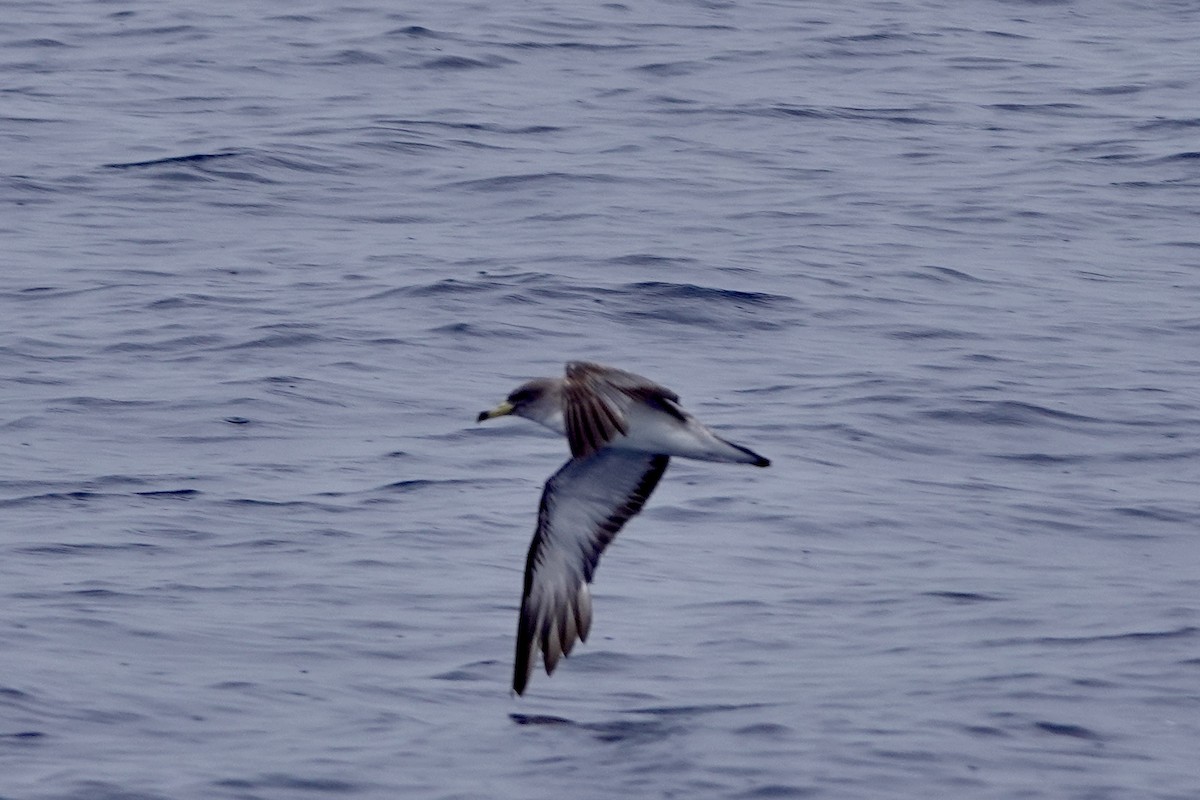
(540, 719)
(621, 730)
(1006, 412)
(288, 339)
(463, 62)
(671, 69)
(778, 791)
(89, 402)
(486, 332)
(90, 492)
(194, 158)
(39, 42)
(690, 291)
(79, 496)
(1178, 124)
(963, 597)
(441, 287)
(1072, 731)
(918, 334)
(353, 57)
(1184, 632)
(165, 345)
(1049, 109)
(504, 183)
(484, 127)
(692, 305)
(64, 549)
(290, 783)
(649, 259)
(418, 31)
(1042, 459)
(1157, 513)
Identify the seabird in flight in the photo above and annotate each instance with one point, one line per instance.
(622, 429)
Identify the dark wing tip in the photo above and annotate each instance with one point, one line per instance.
(762, 462)
(522, 664)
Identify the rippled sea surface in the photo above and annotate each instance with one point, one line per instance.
(264, 263)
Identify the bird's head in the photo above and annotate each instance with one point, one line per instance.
(537, 400)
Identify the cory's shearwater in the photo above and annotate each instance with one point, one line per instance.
(622, 429)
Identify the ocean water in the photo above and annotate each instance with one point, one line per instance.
(264, 263)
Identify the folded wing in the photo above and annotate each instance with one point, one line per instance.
(597, 399)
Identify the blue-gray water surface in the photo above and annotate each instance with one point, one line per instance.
(264, 263)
